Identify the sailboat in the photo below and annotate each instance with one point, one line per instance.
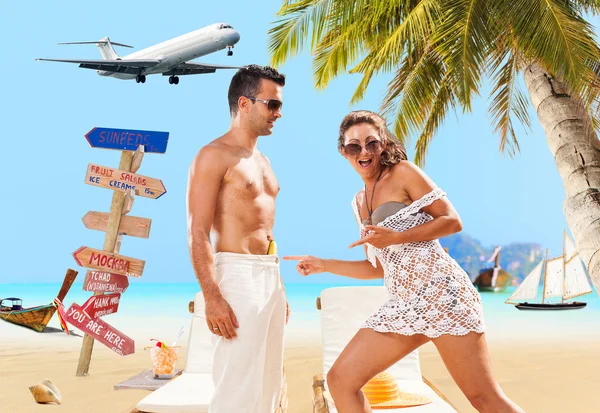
(564, 277)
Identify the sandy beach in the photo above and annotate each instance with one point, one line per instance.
(541, 372)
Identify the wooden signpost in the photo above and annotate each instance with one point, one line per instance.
(105, 282)
(109, 270)
(105, 261)
(100, 305)
(132, 226)
(111, 178)
(100, 330)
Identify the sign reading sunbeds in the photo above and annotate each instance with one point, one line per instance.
(100, 305)
(100, 330)
(108, 270)
(128, 139)
(111, 178)
(105, 282)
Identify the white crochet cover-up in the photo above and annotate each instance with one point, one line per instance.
(429, 293)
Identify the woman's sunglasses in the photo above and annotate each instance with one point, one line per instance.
(272, 104)
(354, 149)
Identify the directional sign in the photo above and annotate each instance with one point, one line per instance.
(111, 178)
(100, 330)
(132, 226)
(105, 282)
(108, 262)
(100, 305)
(128, 140)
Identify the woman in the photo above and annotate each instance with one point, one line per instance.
(401, 215)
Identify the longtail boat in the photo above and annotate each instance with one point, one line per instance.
(38, 317)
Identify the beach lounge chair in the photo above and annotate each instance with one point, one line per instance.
(343, 311)
(191, 391)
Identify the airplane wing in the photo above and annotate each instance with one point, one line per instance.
(190, 68)
(112, 65)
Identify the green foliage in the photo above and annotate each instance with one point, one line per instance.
(441, 50)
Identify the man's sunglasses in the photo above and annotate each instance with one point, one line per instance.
(354, 149)
(272, 104)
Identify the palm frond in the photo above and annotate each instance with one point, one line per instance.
(591, 7)
(337, 49)
(443, 100)
(463, 39)
(560, 40)
(416, 25)
(507, 98)
(288, 37)
(411, 92)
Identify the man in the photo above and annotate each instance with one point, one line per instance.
(231, 193)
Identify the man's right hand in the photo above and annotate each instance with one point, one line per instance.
(220, 317)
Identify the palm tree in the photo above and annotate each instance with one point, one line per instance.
(440, 51)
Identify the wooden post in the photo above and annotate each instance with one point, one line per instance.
(112, 243)
(319, 401)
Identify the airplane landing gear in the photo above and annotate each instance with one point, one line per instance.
(173, 80)
(140, 79)
(229, 51)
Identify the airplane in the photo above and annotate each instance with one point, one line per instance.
(171, 58)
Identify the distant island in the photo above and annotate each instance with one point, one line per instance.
(518, 259)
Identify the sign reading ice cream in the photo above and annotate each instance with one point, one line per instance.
(108, 262)
(116, 179)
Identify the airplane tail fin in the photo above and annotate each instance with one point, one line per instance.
(106, 47)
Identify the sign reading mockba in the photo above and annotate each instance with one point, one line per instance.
(100, 305)
(105, 282)
(108, 262)
(100, 331)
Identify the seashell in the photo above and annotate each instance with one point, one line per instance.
(45, 392)
(52, 387)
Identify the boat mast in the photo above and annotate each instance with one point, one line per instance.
(545, 270)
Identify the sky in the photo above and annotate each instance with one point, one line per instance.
(49, 107)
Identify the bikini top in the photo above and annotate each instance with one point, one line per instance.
(385, 210)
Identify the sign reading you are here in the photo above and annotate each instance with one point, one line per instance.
(101, 331)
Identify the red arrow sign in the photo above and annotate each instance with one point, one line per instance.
(99, 305)
(108, 262)
(116, 179)
(100, 330)
(105, 282)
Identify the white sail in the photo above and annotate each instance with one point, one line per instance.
(554, 278)
(529, 287)
(576, 282)
(569, 248)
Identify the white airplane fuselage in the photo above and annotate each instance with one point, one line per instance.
(181, 49)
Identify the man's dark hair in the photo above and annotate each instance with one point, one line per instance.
(246, 82)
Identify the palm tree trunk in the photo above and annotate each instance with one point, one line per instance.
(576, 151)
